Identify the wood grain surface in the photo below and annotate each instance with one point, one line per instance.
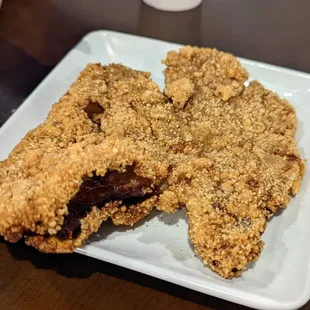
(35, 35)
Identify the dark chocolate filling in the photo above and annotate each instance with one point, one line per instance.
(97, 191)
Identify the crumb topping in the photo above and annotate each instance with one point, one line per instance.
(224, 151)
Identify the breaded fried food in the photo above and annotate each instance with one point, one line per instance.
(67, 176)
(115, 147)
(219, 72)
(249, 164)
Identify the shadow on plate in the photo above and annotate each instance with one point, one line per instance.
(108, 228)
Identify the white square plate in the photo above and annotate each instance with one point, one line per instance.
(159, 246)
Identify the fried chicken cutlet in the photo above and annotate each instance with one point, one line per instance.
(249, 164)
(115, 146)
(105, 150)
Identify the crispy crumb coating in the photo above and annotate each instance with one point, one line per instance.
(90, 224)
(225, 152)
(39, 203)
(249, 164)
(220, 72)
(45, 170)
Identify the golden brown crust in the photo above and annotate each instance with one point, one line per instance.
(218, 71)
(91, 223)
(226, 153)
(249, 163)
(53, 244)
(46, 169)
(39, 203)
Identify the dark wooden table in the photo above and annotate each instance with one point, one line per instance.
(35, 35)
